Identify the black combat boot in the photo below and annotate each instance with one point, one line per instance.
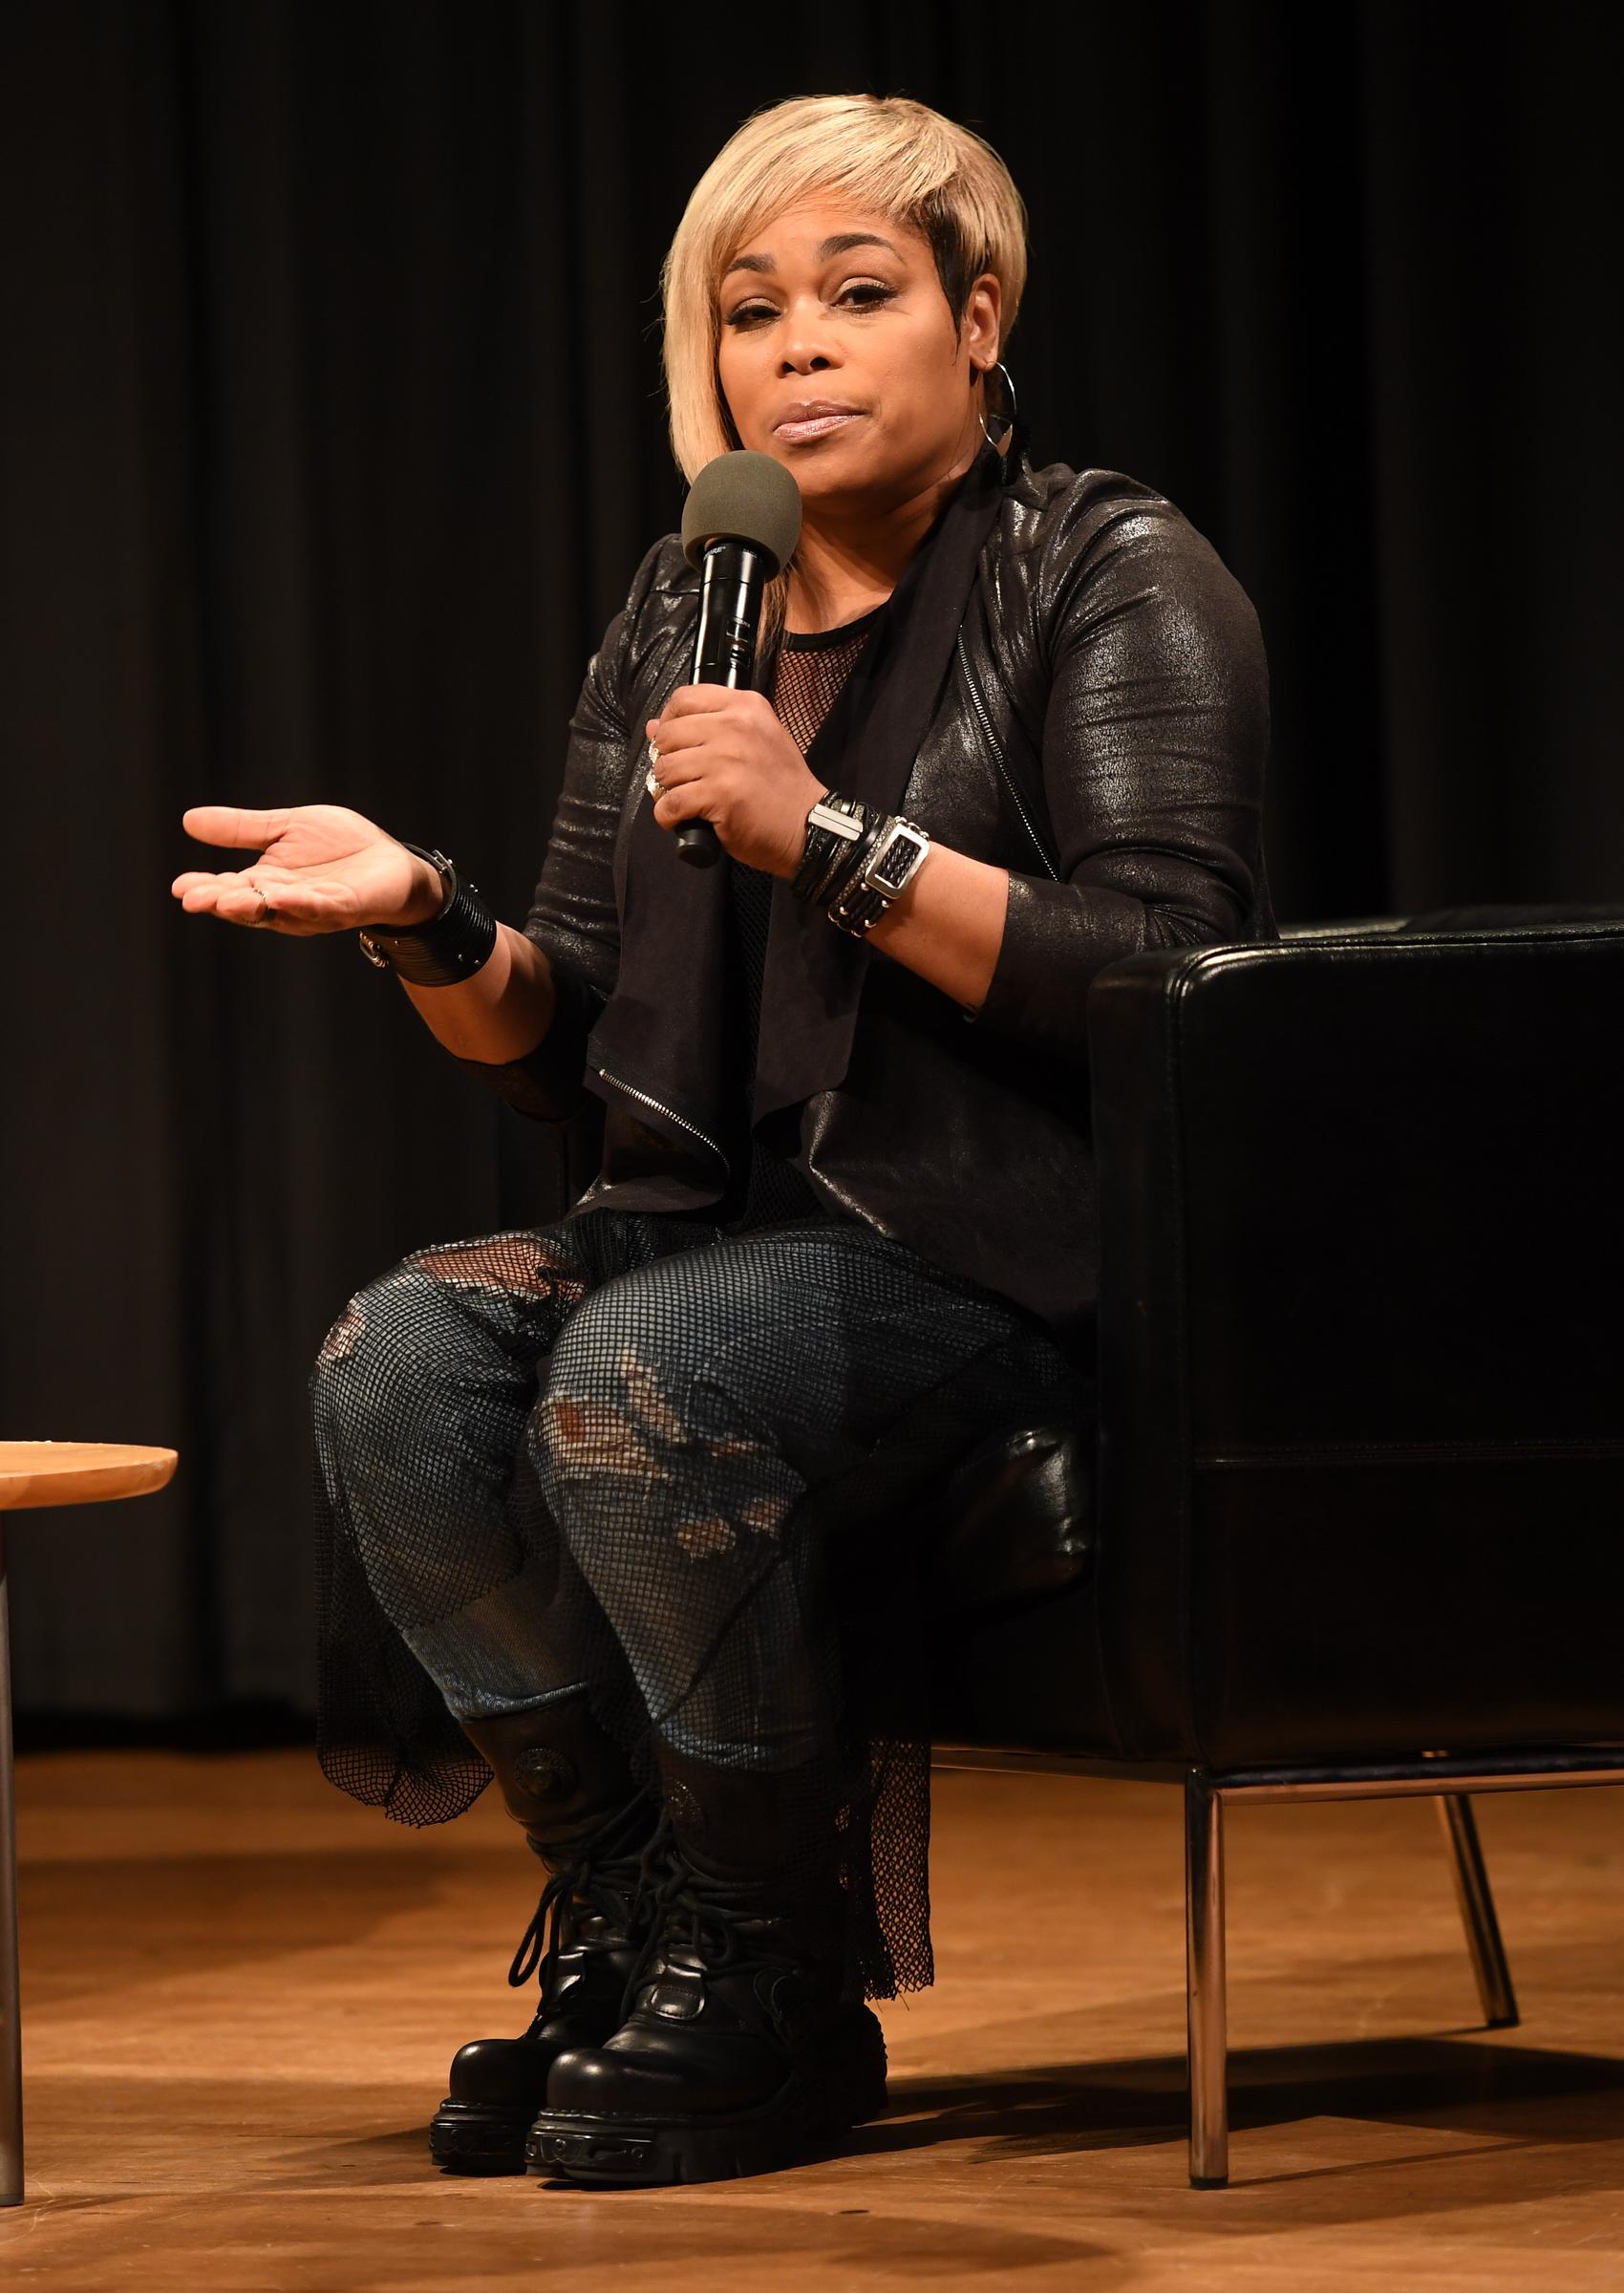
(742, 2041)
(569, 1785)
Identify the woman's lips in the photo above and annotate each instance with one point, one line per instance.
(816, 425)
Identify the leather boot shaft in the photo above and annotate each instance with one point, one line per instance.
(571, 1788)
(559, 1774)
(743, 1823)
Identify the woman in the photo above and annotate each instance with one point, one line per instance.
(623, 1500)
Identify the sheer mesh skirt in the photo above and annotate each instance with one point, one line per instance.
(683, 1469)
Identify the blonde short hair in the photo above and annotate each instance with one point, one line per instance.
(883, 153)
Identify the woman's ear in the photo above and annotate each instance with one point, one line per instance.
(982, 328)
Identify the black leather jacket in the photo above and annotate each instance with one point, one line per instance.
(1100, 731)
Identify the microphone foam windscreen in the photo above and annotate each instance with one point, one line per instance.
(742, 497)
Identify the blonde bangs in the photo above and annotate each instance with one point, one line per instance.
(885, 154)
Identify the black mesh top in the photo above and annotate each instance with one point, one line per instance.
(805, 682)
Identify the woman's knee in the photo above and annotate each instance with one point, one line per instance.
(633, 1359)
(381, 1359)
(611, 1403)
(478, 1312)
(641, 1433)
(414, 1438)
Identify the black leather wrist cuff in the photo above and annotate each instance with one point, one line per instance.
(824, 847)
(854, 860)
(446, 948)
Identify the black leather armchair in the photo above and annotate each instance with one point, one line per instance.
(1355, 1523)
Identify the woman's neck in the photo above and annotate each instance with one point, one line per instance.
(838, 575)
(846, 566)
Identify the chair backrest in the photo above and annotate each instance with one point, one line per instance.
(1362, 1453)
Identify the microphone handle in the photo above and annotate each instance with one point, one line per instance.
(725, 651)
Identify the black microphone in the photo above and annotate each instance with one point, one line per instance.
(740, 524)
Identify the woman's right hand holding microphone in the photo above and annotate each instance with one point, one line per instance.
(320, 868)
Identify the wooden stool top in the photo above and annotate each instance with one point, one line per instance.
(78, 1472)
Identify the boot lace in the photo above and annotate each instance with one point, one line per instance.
(725, 1921)
(611, 1873)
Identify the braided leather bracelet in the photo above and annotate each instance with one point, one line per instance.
(849, 864)
(869, 890)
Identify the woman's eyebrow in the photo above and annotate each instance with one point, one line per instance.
(840, 245)
(844, 240)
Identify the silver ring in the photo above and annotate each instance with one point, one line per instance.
(266, 915)
(651, 781)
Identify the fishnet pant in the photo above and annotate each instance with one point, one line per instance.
(660, 1460)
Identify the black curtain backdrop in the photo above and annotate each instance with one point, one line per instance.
(332, 431)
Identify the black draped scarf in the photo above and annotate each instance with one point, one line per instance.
(658, 1056)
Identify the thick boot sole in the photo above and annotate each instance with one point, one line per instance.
(822, 2102)
(476, 2137)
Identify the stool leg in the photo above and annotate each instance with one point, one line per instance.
(1473, 1893)
(10, 1984)
(1205, 1984)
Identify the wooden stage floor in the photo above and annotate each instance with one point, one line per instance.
(241, 1992)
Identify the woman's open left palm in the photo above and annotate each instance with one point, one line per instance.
(320, 868)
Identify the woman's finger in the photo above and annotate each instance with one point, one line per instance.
(274, 874)
(680, 761)
(197, 880)
(679, 734)
(218, 880)
(698, 701)
(241, 902)
(234, 899)
(233, 825)
(679, 803)
(234, 902)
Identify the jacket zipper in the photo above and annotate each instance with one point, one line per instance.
(997, 754)
(670, 1112)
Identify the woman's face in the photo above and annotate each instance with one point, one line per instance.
(839, 357)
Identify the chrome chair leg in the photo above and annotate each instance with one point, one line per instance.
(11, 1988)
(1204, 1979)
(1476, 1899)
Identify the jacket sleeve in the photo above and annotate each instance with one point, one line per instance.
(573, 916)
(1154, 741)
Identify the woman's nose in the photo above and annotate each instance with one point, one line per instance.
(805, 348)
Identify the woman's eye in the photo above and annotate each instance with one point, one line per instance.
(863, 295)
